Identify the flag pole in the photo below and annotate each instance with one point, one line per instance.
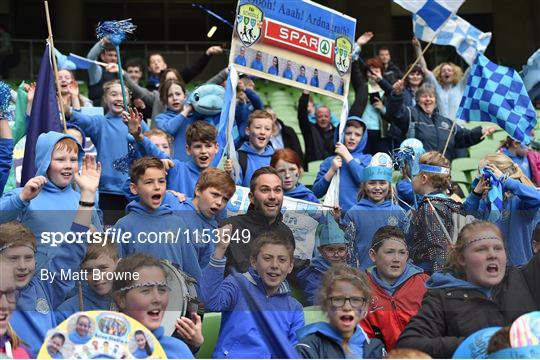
(55, 67)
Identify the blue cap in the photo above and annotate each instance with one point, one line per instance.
(330, 233)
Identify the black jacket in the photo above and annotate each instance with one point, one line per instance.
(392, 73)
(448, 316)
(319, 346)
(319, 143)
(290, 139)
(238, 252)
(432, 130)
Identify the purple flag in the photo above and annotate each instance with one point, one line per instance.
(45, 115)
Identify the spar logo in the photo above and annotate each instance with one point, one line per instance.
(298, 40)
(343, 55)
(249, 24)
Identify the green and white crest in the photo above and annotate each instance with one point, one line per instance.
(249, 24)
(343, 55)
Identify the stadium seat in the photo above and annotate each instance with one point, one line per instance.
(467, 166)
(483, 148)
(210, 330)
(313, 314)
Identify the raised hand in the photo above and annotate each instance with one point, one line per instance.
(32, 188)
(364, 38)
(336, 163)
(343, 152)
(398, 87)
(74, 89)
(88, 180)
(228, 166)
(133, 120)
(181, 197)
(214, 50)
(190, 330)
(223, 241)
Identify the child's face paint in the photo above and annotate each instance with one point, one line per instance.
(345, 318)
(390, 259)
(484, 260)
(151, 188)
(162, 143)
(203, 153)
(273, 263)
(175, 97)
(376, 190)
(23, 261)
(64, 164)
(105, 264)
(289, 173)
(211, 201)
(146, 304)
(260, 132)
(352, 137)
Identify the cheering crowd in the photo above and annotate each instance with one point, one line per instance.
(406, 266)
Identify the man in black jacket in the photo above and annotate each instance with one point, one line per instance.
(263, 215)
(391, 72)
(319, 137)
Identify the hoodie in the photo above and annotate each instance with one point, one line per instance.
(310, 278)
(322, 341)
(109, 134)
(176, 125)
(301, 192)
(367, 218)
(395, 304)
(519, 218)
(174, 348)
(440, 280)
(255, 161)
(350, 176)
(37, 301)
(53, 209)
(199, 225)
(91, 301)
(244, 304)
(162, 222)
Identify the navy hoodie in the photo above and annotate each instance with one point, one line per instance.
(367, 218)
(53, 209)
(310, 278)
(255, 161)
(350, 176)
(440, 280)
(175, 247)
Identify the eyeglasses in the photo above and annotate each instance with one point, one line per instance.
(11, 295)
(338, 252)
(355, 301)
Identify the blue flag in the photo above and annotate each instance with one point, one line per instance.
(496, 94)
(45, 116)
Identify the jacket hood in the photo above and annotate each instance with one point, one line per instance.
(299, 191)
(366, 203)
(356, 342)
(247, 148)
(138, 208)
(410, 271)
(83, 134)
(446, 280)
(320, 263)
(253, 277)
(359, 149)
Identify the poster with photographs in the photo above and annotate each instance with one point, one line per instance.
(100, 334)
(297, 43)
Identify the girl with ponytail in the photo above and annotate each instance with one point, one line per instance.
(503, 194)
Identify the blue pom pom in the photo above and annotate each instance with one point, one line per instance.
(5, 97)
(403, 156)
(115, 31)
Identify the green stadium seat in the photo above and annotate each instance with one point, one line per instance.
(309, 176)
(460, 177)
(483, 148)
(499, 135)
(314, 314)
(467, 166)
(210, 330)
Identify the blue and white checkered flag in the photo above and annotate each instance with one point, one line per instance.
(457, 32)
(496, 94)
(434, 13)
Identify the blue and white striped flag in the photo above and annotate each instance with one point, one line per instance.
(434, 13)
(457, 32)
(496, 94)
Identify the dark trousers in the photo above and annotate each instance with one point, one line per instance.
(113, 207)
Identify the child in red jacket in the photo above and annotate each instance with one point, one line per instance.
(397, 285)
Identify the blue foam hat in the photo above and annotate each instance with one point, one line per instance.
(380, 168)
(329, 232)
(475, 346)
(418, 148)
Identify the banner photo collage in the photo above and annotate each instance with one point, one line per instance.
(297, 43)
